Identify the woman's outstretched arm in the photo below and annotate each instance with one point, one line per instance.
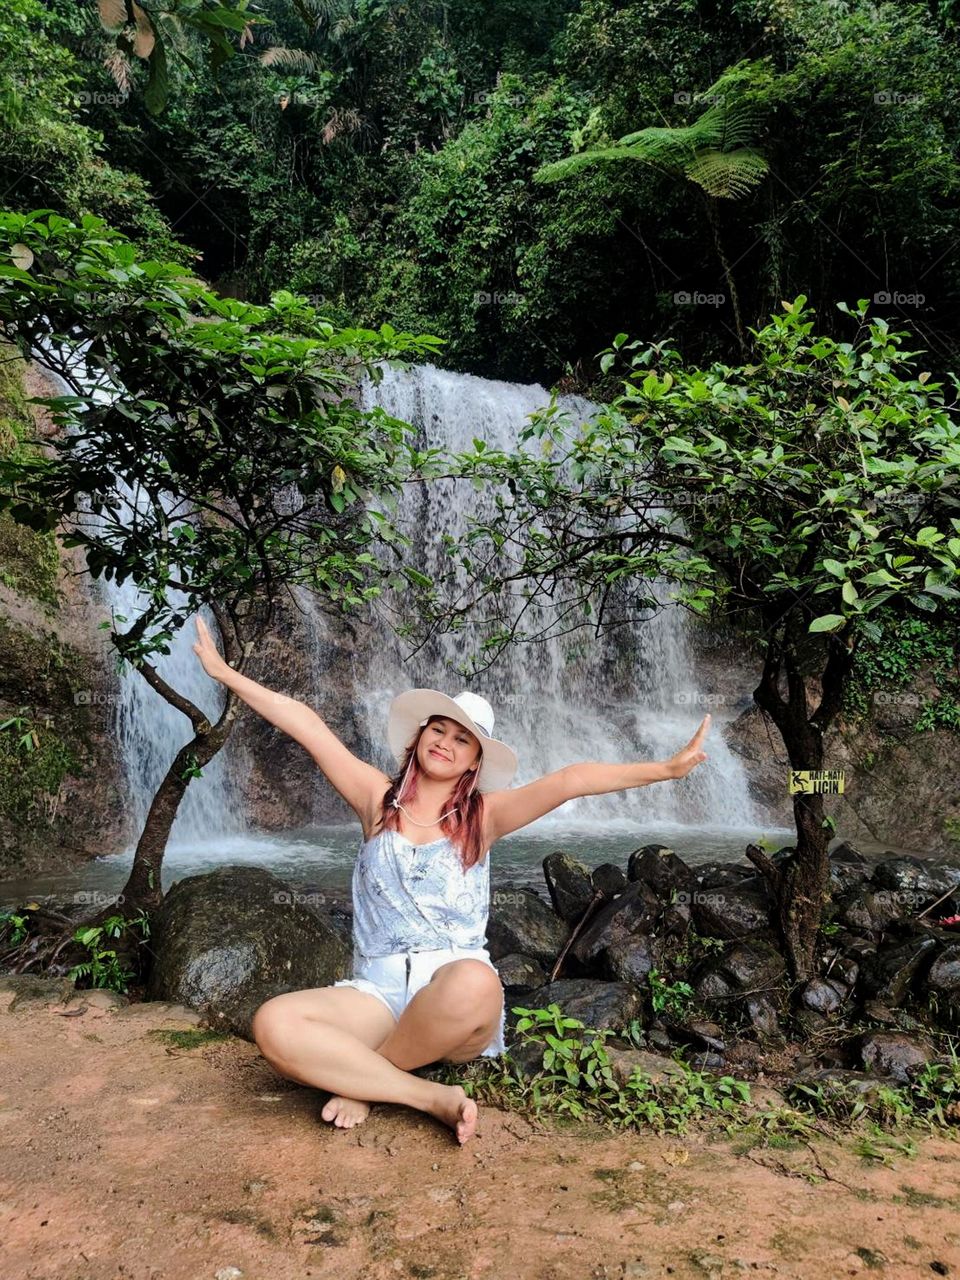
(509, 810)
(360, 784)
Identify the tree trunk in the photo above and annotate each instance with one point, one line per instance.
(143, 884)
(800, 885)
(143, 887)
(727, 275)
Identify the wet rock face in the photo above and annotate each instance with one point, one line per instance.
(612, 1005)
(627, 920)
(661, 870)
(569, 884)
(521, 921)
(227, 941)
(897, 969)
(520, 972)
(733, 911)
(944, 973)
(894, 1054)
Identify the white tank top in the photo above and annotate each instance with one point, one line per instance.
(410, 898)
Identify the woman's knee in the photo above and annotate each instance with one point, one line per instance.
(270, 1022)
(471, 985)
(282, 1020)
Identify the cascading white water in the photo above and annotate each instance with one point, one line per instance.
(630, 695)
(149, 730)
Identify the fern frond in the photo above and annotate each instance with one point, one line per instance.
(727, 174)
(558, 169)
(294, 59)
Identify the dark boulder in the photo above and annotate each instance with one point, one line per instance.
(569, 885)
(226, 941)
(922, 880)
(520, 971)
(893, 1053)
(609, 879)
(821, 997)
(600, 1005)
(521, 921)
(632, 915)
(659, 867)
(717, 875)
(733, 911)
(944, 974)
(895, 969)
(868, 910)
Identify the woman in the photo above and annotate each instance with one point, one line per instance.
(424, 988)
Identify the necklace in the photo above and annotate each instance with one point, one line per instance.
(397, 805)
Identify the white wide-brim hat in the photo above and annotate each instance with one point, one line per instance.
(410, 710)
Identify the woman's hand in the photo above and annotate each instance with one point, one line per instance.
(208, 653)
(690, 756)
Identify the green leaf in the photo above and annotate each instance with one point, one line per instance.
(681, 446)
(828, 622)
(836, 568)
(155, 94)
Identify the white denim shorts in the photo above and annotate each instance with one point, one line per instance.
(397, 978)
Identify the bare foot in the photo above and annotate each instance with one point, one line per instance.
(454, 1108)
(345, 1112)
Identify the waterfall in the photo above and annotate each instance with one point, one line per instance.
(151, 732)
(630, 695)
(625, 696)
(148, 729)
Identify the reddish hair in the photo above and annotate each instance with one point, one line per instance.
(464, 826)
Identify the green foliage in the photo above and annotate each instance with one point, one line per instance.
(713, 152)
(33, 763)
(676, 999)
(931, 1099)
(13, 927)
(576, 1079)
(849, 449)
(104, 968)
(231, 406)
(29, 562)
(887, 665)
(49, 157)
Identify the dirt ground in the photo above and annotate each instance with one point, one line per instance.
(125, 1157)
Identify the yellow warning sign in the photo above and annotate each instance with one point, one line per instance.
(810, 782)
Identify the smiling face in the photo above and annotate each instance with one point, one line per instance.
(447, 749)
